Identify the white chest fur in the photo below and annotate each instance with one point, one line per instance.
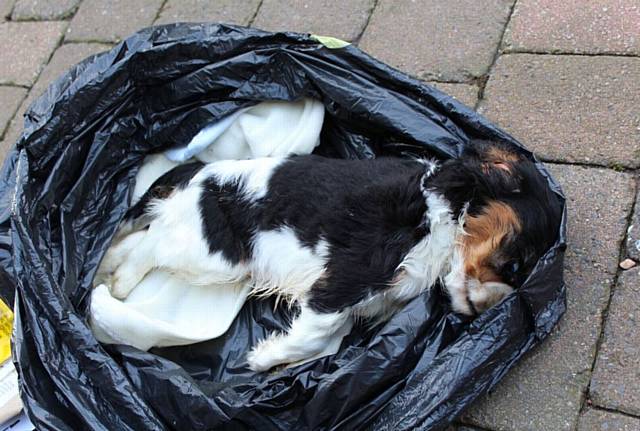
(426, 262)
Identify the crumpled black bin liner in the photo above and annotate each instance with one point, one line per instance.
(67, 184)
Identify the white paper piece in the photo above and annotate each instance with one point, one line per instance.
(8, 383)
(10, 403)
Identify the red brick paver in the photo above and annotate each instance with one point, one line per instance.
(43, 10)
(26, 47)
(616, 379)
(575, 26)
(111, 20)
(598, 420)
(342, 19)
(5, 9)
(445, 40)
(224, 11)
(569, 108)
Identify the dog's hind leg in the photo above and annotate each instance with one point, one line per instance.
(309, 334)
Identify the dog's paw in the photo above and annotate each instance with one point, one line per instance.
(124, 281)
(257, 362)
(266, 354)
(108, 265)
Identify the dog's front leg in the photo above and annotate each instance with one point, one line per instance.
(117, 253)
(138, 262)
(309, 334)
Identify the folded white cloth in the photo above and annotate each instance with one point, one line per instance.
(164, 310)
(208, 137)
(266, 129)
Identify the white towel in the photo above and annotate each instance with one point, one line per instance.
(165, 311)
(266, 129)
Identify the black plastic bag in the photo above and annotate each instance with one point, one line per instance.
(66, 186)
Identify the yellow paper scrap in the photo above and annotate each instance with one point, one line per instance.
(6, 322)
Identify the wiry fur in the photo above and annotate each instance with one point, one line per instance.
(342, 238)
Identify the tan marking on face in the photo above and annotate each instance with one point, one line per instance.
(498, 158)
(484, 234)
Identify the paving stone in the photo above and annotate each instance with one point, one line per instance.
(465, 93)
(616, 379)
(598, 420)
(43, 9)
(111, 20)
(342, 19)
(225, 11)
(64, 57)
(446, 40)
(569, 108)
(575, 26)
(545, 390)
(5, 9)
(10, 99)
(26, 48)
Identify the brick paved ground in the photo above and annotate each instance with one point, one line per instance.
(562, 76)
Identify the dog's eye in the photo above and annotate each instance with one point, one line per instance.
(510, 268)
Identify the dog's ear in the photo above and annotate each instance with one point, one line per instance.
(499, 158)
(499, 166)
(485, 170)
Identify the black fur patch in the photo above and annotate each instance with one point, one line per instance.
(228, 219)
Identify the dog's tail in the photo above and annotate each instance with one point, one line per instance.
(138, 217)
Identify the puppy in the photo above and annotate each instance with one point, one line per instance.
(343, 238)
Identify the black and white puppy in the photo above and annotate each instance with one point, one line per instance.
(342, 238)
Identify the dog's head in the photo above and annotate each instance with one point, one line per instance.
(509, 218)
